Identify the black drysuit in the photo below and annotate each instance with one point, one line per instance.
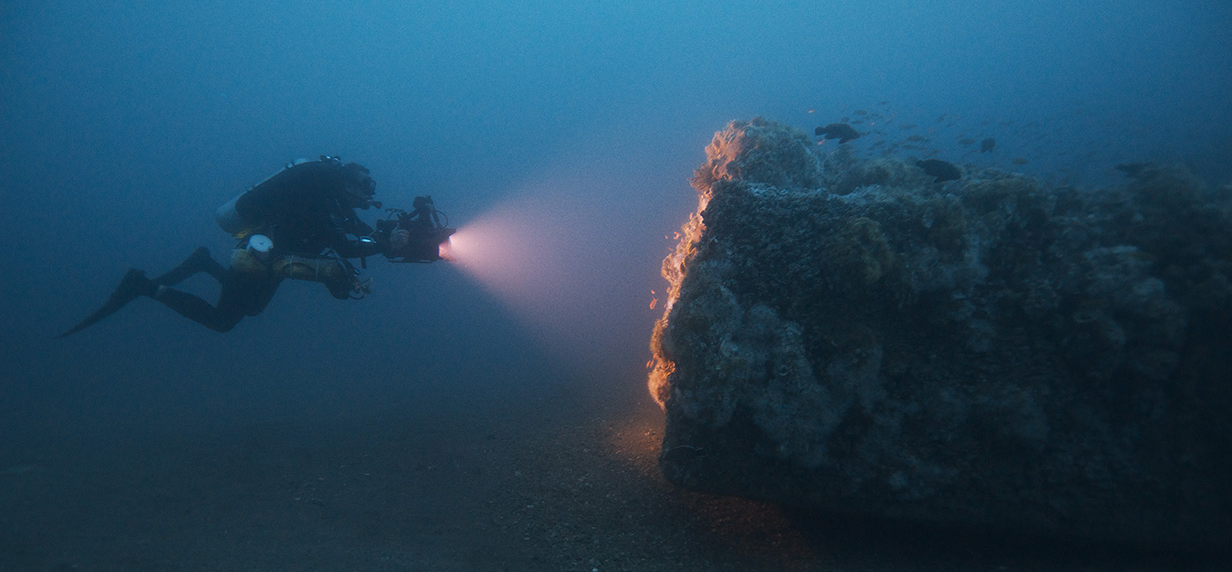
(306, 210)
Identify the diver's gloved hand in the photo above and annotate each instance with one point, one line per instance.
(398, 239)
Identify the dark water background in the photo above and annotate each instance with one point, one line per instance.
(124, 124)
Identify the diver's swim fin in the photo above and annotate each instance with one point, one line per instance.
(133, 285)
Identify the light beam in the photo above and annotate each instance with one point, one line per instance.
(571, 257)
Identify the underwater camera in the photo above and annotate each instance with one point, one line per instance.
(429, 234)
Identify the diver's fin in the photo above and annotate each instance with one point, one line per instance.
(133, 285)
(199, 261)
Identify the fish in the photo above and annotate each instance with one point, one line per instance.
(966, 141)
(840, 131)
(1019, 160)
(917, 138)
(988, 145)
(939, 170)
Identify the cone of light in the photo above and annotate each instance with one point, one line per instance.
(563, 256)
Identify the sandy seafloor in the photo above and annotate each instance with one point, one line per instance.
(565, 480)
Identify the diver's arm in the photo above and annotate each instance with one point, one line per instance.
(362, 247)
(358, 247)
(353, 238)
(355, 225)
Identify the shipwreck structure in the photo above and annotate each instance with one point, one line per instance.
(848, 334)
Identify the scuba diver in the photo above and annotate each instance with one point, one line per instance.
(299, 223)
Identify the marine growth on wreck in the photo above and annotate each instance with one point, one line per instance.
(866, 335)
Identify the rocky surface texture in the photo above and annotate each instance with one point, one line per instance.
(844, 333)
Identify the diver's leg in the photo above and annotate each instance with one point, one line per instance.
(247, 294)
(219, 319)
(241, 295)
(136, 284)
(199, 261)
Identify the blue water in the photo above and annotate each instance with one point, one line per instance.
(123, 125)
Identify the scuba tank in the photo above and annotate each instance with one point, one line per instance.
(230, 220)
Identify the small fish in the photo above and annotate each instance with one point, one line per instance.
(840, 131)
(966, 141)
(1019, 160)
(905, 126)
(917, 138)
(988, 145)
(860, 112)
(939, 170)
